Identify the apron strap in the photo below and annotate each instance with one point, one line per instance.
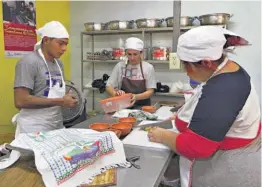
(141, 67)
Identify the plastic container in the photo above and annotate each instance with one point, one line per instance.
(117, 103)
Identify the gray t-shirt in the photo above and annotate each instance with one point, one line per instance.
(134, 73)
(31, 72)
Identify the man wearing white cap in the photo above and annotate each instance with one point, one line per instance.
(39, 87)
(219, 125)
(133, 76)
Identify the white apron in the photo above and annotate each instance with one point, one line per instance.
(191, 99)
(43, 119)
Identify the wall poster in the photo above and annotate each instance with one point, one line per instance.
(19, 24)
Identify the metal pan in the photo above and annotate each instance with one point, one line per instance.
(214, 19)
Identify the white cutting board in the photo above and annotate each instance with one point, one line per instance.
(164, 113)
(139, 138)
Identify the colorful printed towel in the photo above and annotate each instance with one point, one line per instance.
(71, 157)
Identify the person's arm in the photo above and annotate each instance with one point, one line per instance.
(24, 100)
(145, 95)
(216, 111)
(111, 91)
(112, 83)
(25, 73)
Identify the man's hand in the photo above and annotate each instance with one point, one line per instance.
(119, 92)
(69, 100)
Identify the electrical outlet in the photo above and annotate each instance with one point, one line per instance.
(174, 62)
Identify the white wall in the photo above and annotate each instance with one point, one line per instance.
(246, 21)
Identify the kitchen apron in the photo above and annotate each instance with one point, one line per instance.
(204, 172)
(43, 119)
(136, 87)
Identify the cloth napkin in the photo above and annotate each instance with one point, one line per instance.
(71, 157)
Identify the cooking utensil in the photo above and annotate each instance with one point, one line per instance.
(176, 108)
(119, 25)
(167, 124)
(214, 19)
(168, 103)
(91, 26)
(99, 126)
(106, 27)
(70, 114)
(125, 128)
(131, 120)
(132, 161)
(148, 23)
(21, 150)
(184, 21)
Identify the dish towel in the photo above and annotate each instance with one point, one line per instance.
(71, 157)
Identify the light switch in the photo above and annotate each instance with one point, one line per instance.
(174, 62)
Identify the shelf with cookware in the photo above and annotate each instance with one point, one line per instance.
(144, 27)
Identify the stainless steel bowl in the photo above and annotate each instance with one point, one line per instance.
(184, 21)
(91, 26)
(214, 19)
(119, 25)
(148, 23)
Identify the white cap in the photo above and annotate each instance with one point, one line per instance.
(205, 42)
(134, 43)
(53, 29)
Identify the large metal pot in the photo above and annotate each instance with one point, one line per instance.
(149, 23)
(214, 19)
(119, 25)
(91, 26)
(184, 21)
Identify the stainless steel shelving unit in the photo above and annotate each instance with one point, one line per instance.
(175, 30)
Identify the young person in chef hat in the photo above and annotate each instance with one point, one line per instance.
(219, 124)
(39, 87)
(133, 76)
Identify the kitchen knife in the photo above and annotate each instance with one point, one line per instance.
(167, 124)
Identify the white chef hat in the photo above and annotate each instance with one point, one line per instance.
(134, 43)
(53, 29)
(206, 42)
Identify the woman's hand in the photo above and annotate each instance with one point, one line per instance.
(156, 134)
(172, 117)
(119, 92)
(133, 99)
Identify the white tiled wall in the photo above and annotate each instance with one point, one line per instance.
(246, 21)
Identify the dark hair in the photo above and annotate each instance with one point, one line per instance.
(31, 3)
